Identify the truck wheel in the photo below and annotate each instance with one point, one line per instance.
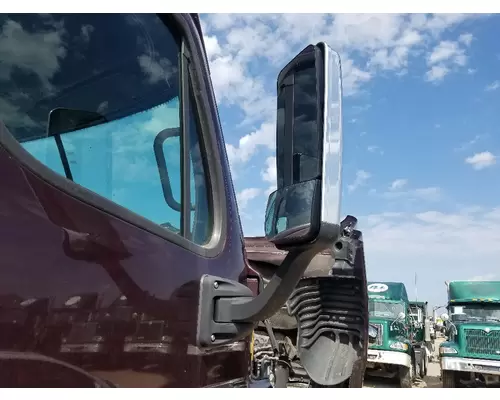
(406, 376)
(449, 379)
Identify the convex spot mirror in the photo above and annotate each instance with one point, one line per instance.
(306, 205)
(401, 316)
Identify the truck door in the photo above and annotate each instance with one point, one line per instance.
(114, 182)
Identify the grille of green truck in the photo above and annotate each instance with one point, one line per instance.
(478, 341)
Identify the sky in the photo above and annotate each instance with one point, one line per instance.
(420, 126)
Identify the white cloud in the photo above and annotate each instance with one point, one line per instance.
(234, 84)
(447, 56)
(466, 38)
(493, 86)
(398, 184)
(481, 160)
(41, 52)
(430, 194)
(447, 51)
(269, 175)
(438, 246)
(246, 195)
(436, 73)
(264, 136)
(361, 177)
(157, 69)
(38, 53)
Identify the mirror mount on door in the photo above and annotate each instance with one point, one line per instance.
(229, 311)
(302, 215)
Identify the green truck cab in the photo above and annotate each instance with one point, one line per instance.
(471, 354)
(390, 352)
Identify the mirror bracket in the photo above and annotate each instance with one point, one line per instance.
(210, 331)
(228, 311)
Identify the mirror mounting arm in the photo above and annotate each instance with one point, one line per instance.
(228, 311)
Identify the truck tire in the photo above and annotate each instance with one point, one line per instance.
(449, 379)
(406, 376)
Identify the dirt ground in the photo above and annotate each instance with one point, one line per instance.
(432, 380)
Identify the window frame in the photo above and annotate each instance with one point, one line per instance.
(196, 81)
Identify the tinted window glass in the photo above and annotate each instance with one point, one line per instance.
(125, 70)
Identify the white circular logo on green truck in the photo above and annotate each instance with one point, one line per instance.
(377, 287)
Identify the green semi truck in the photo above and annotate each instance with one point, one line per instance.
(421, 338)
(391, 352)
(471, 354)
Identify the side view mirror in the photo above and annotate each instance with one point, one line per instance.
(372, 334)
(303, 214)
(451, 329)
(306, 205)
(400, 317)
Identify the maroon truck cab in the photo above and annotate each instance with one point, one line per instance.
(123, 259)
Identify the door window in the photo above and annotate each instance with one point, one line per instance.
(98, 99)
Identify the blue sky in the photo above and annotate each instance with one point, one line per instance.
(422, 94)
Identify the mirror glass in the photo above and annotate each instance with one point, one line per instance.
(308, 153)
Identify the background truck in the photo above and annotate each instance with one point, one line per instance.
(391, 352)
(471, 354)
(421, 338)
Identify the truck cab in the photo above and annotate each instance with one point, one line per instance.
(470, 356)
(116, 185)
(390, 353)
(421, 336)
